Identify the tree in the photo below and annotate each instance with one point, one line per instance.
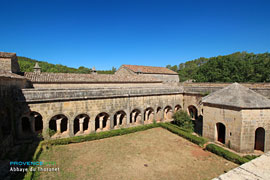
(182, 119)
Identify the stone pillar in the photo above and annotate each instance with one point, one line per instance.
(108, 122)
(111, 121)
(81, 120)
(133, 117)
(118, 120)
(58, 125)
(124, 122)
(146, 116)
(165, 115)
(101, 123)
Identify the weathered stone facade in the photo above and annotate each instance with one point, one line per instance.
(237, 121)
(66, 105)
(161, 73)
(151, 104)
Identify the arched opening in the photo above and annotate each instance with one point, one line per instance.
(135, 117)
(26, 126)
(149, 115)
(81, 123)
(177, 108)
(159, 114)
(259, 139)
(119, 118)
(221, 132)
(64, 125)
(168, 113)
(102, 122)
(193, 112)
(76, 125)
(58, 124)
(38, 121)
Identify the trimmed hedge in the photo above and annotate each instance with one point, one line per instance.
(185, 134)
(226, 154)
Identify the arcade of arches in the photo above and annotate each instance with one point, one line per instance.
(63, 126)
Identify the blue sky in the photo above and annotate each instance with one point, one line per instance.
(106, 33)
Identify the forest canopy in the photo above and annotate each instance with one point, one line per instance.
(27, 64)
(236, 67)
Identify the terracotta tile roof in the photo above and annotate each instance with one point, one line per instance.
(236, 95)
(10, 75)
(7, 55)
(84, 78)
(149, 69)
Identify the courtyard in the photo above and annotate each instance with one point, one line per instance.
(151, 154)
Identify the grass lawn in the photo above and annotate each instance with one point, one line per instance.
(151, 154)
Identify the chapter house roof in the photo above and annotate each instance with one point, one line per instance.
(236, 95)
(149, 69)
(85, 78)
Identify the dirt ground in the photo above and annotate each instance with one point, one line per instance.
(150, 154)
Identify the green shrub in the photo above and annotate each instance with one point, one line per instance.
(226, 154)
(250, 157)
(182, 119)
(51, 132)
(185, 134)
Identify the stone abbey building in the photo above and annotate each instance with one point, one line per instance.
(59, 105)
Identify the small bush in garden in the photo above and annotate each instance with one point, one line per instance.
(183, 120)
(51, 132)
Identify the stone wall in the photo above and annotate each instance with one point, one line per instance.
(231, 118)
(8, 108)
(110, 106)
(253, 119)
(240, 124)
(9, 64)
(123, 71)
(166, 78)
(90, 85)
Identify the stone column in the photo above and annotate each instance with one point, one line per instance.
(101, 123)
(133, 117)
(118, 120)
(81, 120)
(108, 123)
(58, 125)
(124, 122)
(146, 116)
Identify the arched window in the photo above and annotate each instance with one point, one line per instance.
(177, 108)
(135, 117)
(38, 121)
(102, 122)
(168, 113)
(159, 114)
(81, 124)
(221, 132)
(119, 119)
(259, 139)
(148, 115)
(193, 112)
(58, 124)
